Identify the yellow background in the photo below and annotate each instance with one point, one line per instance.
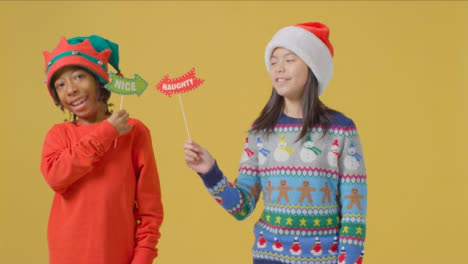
(400, 73)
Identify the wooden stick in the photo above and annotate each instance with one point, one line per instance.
(183, 113)
(121, 105)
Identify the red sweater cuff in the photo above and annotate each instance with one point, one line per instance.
(143, 256)
(107, 133)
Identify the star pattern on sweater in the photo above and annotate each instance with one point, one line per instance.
(345, 229)
(289, 221)
(316, 222)
(329, 221)
(278, 220)
(303, 222)
(359, 231)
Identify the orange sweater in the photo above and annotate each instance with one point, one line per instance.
(107, 204)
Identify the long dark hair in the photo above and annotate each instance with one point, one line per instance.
(314, 112)
(102, 94)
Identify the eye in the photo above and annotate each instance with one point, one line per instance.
(273, 63)
(59, 85)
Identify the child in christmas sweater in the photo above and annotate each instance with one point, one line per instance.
(107, 205)
(305, 157)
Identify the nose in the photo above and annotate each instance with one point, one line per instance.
(279, 67)
(71, 88)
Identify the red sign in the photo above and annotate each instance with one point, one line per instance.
(182, 84)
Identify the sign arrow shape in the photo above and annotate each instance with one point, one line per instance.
(126, 86)
(182, 84)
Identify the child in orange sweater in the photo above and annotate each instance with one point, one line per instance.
(107, 205)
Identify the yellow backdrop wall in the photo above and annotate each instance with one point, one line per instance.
(400, 73)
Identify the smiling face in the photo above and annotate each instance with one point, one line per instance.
(259, 145)
(335, 148)
(309, 144)
(288, 74)
(76, 88)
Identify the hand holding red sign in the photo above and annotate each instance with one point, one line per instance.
(182, 84)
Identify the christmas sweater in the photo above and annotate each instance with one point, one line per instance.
(314, 192)
(107, 204)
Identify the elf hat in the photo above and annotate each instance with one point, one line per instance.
(310, 42)
(92, 53)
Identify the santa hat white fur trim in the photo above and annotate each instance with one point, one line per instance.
(308, 47)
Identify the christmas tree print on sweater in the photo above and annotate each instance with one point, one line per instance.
(301, 198)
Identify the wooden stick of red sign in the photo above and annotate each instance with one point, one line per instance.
(182, 84)
(185, 119)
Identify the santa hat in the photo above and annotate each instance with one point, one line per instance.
(360, 258)
(282, 139)
(92, 53)
(310, 42)
(295, 247)
(335, 143)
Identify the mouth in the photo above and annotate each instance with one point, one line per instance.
(78, 102)
(282, 80)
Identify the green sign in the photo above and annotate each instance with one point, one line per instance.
(121, 85)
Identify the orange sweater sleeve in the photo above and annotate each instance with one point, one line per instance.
(148, 197)
(63, 163)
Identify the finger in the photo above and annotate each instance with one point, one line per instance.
(195, 143)
(192, 155)
(121, 112)
(192, 148)
(189, 160)
(123, 116)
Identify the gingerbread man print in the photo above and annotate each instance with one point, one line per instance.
(354, 199)
(269, 188)
(255, 191)
(326, 193)
(305, 190)
(283, 189)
